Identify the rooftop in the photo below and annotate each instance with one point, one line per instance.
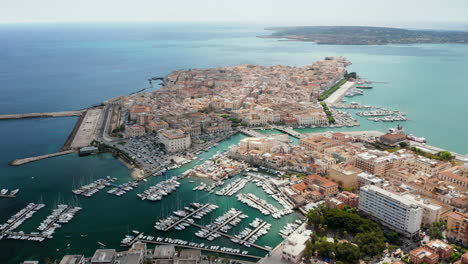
(103, 255)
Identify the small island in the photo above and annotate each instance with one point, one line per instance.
(360, 35)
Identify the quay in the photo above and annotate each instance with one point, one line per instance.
(228, 236)
(18, 162)
(202, 249)
(184, 219)
(42, 115)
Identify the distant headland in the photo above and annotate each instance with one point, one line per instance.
(360, 35)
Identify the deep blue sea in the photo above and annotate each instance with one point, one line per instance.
(48, 67)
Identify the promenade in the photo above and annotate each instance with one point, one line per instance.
(338, 94)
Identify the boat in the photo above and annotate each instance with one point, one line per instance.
(416, 139)
(101, 244)
(3, 191)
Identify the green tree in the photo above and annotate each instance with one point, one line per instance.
(403, 144)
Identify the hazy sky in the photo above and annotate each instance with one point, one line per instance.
(288, 11)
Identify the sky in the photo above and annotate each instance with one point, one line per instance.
(331, 12)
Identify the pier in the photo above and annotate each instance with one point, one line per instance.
(31, 209)
(227, 221)
(18, 162)
(42, 115)
(7, 196)
(228, 236)
(261, 204)
(244, 240)
(203, 249)
(184, 219)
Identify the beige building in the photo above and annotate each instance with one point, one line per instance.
(431, 211)
(134, 131)
(174, 139)
(264, 144)
(344, 175)
(457, 175)
(375, 162)
(318, 143)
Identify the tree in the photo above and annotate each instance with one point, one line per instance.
(403, 144)
(371, 244)
(445, 155)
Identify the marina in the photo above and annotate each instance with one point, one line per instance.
(156, 192)
(248, 237)
(5, 193)
(261, 205)
(120, 190)
(184, 218)
(89, 190)
(16, 220)
(234, 186)
(223, 223)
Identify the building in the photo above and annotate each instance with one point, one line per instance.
(441, 248)
(344, 175)
(334, 203)
(457, 175)
(263, 144)
(134, 131)
(392, 138)
(318, 143)
(396, 212)
(375, 162)
(365, 178)
(293, 249)
(129, 258)
(464, 258)
(73, 259)
(174, 140)
(103, 256)
(349, 199)
(423, 255)
(457, 227)
(163, 254)
(137, 110)
(321, 184)
(431, 212)
(190, 256)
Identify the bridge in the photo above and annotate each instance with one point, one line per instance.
(251, 133)
(290, 132)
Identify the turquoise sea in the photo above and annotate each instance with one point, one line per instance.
(48, 67)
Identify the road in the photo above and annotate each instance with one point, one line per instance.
(338, 94)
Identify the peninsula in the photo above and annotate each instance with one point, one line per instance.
(360, 35)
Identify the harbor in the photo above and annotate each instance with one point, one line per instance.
(91, 189)
(5, 193)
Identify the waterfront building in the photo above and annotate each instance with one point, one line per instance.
(396, 212)
(103, 256)
(174, 139)
(392, 139)
(457, 227)
(423, 255)
(190, 256)
(73, 259)
(163, 254)
(263, 144)
(294, 247)
(345, 175)
(441, 248)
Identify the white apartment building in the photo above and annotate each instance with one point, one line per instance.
(398, 213)
(174, 139)
(431, 212)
